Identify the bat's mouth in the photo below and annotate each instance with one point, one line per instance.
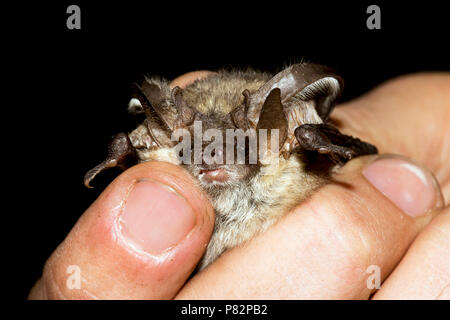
(211, 175)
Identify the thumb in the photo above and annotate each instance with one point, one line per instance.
(141, 239)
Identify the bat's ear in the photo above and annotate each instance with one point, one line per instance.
(186, 113)
(311, 83)
(156, 102)
(323, 87)
(272, 116)
(164, 109)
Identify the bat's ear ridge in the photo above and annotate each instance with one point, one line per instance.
(324, 92)
(317, 83)
(186, 113)
(327, 85)
(240, 114)
(308, 81)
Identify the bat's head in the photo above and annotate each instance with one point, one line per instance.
(227, 127)
(232, 126)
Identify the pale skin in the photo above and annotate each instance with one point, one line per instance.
(320, 250)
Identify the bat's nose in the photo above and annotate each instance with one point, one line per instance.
(213, 158)
(217, 154)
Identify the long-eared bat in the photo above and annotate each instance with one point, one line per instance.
(291, 108)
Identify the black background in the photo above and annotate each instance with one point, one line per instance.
(78, 82)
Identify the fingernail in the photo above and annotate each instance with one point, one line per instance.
(411, 187)
(155, 217)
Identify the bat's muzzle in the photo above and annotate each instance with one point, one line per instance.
(217, 174)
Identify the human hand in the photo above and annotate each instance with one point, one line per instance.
(320, 250)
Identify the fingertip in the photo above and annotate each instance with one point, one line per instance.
(410, 186)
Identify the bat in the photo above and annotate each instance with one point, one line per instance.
(292, 107)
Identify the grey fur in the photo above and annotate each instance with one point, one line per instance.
(249, 202)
